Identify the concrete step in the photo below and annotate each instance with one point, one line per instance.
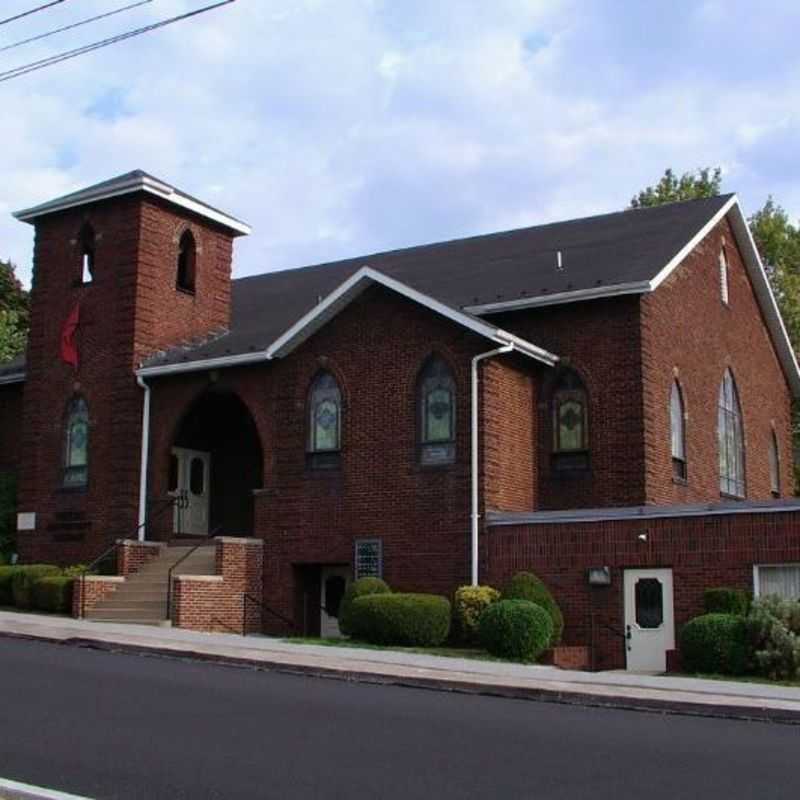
(146, 604)
(163, 623)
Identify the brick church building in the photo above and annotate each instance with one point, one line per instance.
(604, 401)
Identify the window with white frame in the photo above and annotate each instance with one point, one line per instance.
(730, 435)
(678, 432)
(782, 580)
(723, 276)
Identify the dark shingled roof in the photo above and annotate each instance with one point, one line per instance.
(610, 249)
(603, 251)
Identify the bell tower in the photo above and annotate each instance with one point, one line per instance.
(121, 270)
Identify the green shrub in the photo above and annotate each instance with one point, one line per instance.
(516, 629)
(413, 620)
(53, 593)
(468, 605)
(76, 570)
(6, 593)
(715, 643)
(359, 588)
(773, 628)
(23, 579)
(726, 601)
(526, 586)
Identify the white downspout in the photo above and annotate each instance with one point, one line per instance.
(475, 476)
(144, 459)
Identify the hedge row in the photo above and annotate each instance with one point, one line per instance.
(42, 587)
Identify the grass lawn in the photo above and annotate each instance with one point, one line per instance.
(448, 652)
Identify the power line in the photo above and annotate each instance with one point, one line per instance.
(32, 11)
(79, 51)
(74, 25)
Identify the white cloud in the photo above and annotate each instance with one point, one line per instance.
(338, 128)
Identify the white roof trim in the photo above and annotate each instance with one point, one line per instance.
(353, 286)
(139, 183)
(17, 377)
(338, 299)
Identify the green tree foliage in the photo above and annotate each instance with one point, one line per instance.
(671, 188)
(14, 305)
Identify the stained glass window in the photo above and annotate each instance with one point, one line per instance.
(570, 407)
(76, 460)
(678, 433)
(437, 401)
(368, 558)
(730, 435)
(325, 409)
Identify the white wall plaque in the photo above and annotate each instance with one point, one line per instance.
(26, 521)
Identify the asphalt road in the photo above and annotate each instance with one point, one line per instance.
(119, 726)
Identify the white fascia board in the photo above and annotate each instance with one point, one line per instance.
(355, 284)
(205, 364)
(766, 298)
(596, 292)
(18, 377)
(139, 184)
(678, 258)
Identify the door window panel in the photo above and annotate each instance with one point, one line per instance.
(649, 603)
(197, 476)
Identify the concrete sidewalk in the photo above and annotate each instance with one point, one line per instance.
(612, 689)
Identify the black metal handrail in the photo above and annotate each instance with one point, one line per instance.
(180, 500)
(249, 598)
(180, 561)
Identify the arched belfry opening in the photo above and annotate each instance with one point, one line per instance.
(216, 462)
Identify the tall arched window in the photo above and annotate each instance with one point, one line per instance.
(76, 444)
(774, 465)
(723, 276)
(730, 433)
(86, 241)
(677, 419)
(436, 404)
(324, 421)
(570, 422)
(187, 257)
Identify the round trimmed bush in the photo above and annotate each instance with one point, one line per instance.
(516, 629)
(53, 593)
(359, 588)
(468, 605)
(526, 586)
(715, 643)
(23, 580)
(413, 620)
(726, 601)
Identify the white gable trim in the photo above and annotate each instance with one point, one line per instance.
(357, 283)
(136, 184)
(328, 308)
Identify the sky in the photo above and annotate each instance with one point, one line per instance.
(338, 128)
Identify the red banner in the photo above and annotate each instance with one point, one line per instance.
(69, 347)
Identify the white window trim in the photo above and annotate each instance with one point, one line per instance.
(757, 579)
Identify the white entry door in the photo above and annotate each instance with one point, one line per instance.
(649, 619)
(334, 582)
(193, 470)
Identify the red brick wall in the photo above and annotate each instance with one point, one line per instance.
(129, 310)
(703, 552)
(10, 426)
(132, 556)
(688, 332)
(95, 588)
(599, 339)
(509, 438)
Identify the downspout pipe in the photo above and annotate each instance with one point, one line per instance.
(145, 456)
(475, 471)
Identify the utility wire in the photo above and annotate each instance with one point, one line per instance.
(74, 25)
(32, 11)
(79, 51)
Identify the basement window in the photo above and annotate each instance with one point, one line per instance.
(368, 558)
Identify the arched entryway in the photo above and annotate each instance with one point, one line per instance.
(216, 462)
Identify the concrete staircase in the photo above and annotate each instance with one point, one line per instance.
(142, 599)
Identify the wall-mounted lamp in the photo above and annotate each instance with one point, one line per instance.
(642, 537)
(599, 576)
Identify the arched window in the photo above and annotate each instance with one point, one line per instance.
(570, 422)
(731, 439)
(774, 465)
(436, 403)
(324, 421)
(76, 444)
(187, 257)
(677, 420)
(87, 243)
(723, 275)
